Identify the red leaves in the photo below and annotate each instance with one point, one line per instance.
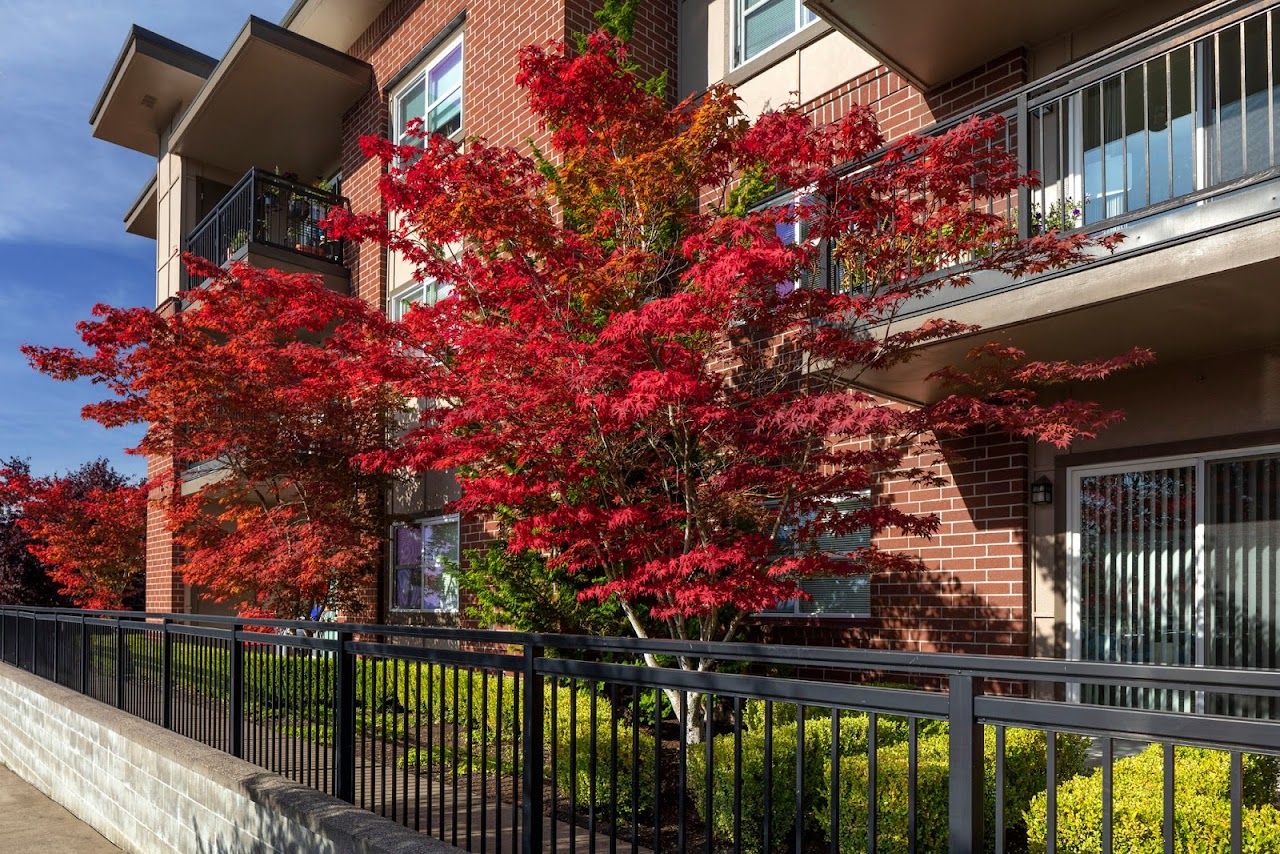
(261, 378)
(627, 373)
(88, 529)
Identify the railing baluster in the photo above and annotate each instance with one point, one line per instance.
(966, 773)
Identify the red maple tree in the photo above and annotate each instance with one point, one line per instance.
(247, 387)
(87, 528)
(625, 368)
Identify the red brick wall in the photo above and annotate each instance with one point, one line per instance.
(971, 594)
(165, 590)
(902, 109)
(493, 106)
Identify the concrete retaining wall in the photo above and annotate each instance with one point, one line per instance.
(149, 790)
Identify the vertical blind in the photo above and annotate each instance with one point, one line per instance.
(1137, 573)
(1145, 596)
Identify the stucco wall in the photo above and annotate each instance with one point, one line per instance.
(149, 790)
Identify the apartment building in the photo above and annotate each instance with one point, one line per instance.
(1159, 541)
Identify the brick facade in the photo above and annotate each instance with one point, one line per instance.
(973, 595)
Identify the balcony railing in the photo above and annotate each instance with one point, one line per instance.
(265, 209)
(491, 740)
(1168, 136)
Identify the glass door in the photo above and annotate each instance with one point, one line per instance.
(1136, 579)
(1176, 561)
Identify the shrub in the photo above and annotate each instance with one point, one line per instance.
(1025, 766)
(1202, 807)
(1025, 760)
(573, 752)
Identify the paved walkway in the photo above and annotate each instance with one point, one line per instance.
(31, 823)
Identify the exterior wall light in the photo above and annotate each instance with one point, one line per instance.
(1042, 491)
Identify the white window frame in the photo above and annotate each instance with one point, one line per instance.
(739, 12)
(429, 291)
(420, 76)
(794, 612)
(1075, 558)
(420, 522)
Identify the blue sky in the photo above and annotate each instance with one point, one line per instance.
(63, 194)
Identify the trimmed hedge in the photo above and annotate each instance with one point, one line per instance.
(1025, 760)
(1202, 806)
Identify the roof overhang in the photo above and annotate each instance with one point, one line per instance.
(942, 39)
(140, 219)
(276, 99)
(153, 79)
(336, 23)
(1176, 300)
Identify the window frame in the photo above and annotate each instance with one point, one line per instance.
(392, 566)
(421, 75)
(429, 289)
(802, 18)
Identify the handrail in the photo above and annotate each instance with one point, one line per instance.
(1242, 680)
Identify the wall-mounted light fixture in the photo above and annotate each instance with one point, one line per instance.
(1042, 491)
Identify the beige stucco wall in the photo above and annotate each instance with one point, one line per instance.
(819, 60)
(1094, 35)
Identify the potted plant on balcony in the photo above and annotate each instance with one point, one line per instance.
(237, 241)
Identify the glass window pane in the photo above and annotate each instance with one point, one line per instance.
(1138, 575)
(446, 118)
(412, 105)
(765, 23)
(440, 551)
(1091, 107)
(1113, 171)
(1257, 95)
(1135, 121)
(1182, 122)
(1242, 566)
(408, 545)
(446, 75)
(1226, 153)
(1158, 130)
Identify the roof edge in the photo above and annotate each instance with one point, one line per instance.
(152, 44)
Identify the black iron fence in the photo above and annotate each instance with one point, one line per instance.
(499, 741)
(267, 209)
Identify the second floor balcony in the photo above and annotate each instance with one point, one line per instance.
(272, 221)
(1171, 139)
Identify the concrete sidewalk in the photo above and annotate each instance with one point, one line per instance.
(30, 823)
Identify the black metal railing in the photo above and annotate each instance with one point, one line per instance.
(266, 209)
(497, 740)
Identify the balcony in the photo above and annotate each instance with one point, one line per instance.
(1172, 141)
(271, 221)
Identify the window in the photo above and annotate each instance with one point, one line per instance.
(433, 95)
(424, 555)
(1173, 561)
(760, 24)
(428, 292)
(837, 596)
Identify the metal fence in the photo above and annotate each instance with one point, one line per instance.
(499, 741)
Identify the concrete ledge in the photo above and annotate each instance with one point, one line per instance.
(150, 790)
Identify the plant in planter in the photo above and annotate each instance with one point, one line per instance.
(237, 241)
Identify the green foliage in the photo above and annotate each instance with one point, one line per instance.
(569, 728)
(1202, 806)
(617, 18)
(1025, 757)
(522, 592)
(752, 189)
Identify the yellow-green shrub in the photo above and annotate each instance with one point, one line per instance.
(1202, 806)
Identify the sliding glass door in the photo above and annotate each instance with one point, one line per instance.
(1175, 562)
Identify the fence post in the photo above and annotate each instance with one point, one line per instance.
(119, 664)
(966, 772)
(166, 675)
(1022, 119)
(84, 656)
(344, 721)
(532, 747)
(235, 705)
